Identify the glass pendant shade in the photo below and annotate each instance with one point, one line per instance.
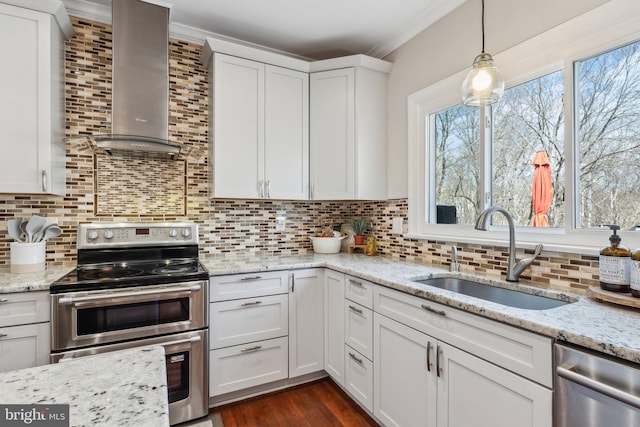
(484, 84)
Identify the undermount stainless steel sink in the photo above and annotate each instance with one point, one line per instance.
(495, 294)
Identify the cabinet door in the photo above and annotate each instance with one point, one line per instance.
(30, 79)
(359, 377)
(306, 322)
(334, 325)
(247, 320)
(247, 365)
(358, 328)
(473, 392)
(286, 134)
(24, 346)
(404, 381)
(332, 134)
(237, 152)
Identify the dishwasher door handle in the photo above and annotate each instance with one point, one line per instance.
(619, 395)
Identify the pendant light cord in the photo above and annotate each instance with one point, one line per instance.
(482, 26)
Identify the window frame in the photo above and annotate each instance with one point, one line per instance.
(597, 31)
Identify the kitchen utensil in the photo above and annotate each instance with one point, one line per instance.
(50, 231)
(34, 225)
(13, 225)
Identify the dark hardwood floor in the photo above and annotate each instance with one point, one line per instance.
(316, 404)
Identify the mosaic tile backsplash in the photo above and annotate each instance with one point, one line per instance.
(107, 190)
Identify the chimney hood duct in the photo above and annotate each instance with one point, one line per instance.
(140, 85)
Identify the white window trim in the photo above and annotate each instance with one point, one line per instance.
(606, 27)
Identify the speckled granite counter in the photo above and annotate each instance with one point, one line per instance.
(125, 388)
(40, 281)
(602, 327)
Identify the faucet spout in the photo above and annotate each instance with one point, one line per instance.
(514, 267)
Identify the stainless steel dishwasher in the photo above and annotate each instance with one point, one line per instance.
(594, 390)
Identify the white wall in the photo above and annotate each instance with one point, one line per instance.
(450, 45)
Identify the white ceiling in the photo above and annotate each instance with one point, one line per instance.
(314, 29)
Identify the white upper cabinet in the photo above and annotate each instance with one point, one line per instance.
(285, 128)
(260, 129)
(32, 105)
(348, 134)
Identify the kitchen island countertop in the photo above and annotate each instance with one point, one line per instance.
(123, 388)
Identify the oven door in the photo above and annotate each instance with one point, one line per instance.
(186, 357)
(82, 319)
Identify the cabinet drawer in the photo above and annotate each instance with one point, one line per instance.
(243, 366)
(223, 288)
(24, 307)
(358, 328)
(24, 346)
(360, 291)
(359, 377)
(519, 351)
(247, 320)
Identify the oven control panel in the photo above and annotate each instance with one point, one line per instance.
(103, 235)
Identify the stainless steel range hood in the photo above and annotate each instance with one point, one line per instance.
(140, 97)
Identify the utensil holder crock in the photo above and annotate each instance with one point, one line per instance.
(28, 257)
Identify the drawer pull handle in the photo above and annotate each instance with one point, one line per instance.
(433, 310)
(4, 299)
(247, 350)
(247, 304)
(3, 334)
(356, 309)
(357, 359)
(251, 278)
(355, 282)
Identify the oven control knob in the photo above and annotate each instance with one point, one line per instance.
(173, 232)
(186, 232)
(108, 234)
(92, 234)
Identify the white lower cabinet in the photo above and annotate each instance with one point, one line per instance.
(404, 390)
(358, 377)
(473, 392)
(306, 322)
(249, 327)
(334, 325)
(422, 381)
(247, 365)
(24, 346)
(358, 328)
(25, 331)
(247, 320)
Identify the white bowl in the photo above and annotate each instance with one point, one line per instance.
(326, 245)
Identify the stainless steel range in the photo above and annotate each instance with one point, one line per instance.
(139, 284)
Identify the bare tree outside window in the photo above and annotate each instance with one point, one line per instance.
(608, 100)
(528, 118)
(457, 161)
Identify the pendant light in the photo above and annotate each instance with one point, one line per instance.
(484, 84)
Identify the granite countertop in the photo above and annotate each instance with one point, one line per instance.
(22, 282)
(123, 388)
(602, 327)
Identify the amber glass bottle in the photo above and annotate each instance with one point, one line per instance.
(614, 264)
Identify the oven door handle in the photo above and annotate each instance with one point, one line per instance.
(69, 357)
(92, 298)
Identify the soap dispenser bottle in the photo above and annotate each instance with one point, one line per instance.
(614, 264)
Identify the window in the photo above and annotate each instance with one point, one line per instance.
(608, 117)
(573, 93)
